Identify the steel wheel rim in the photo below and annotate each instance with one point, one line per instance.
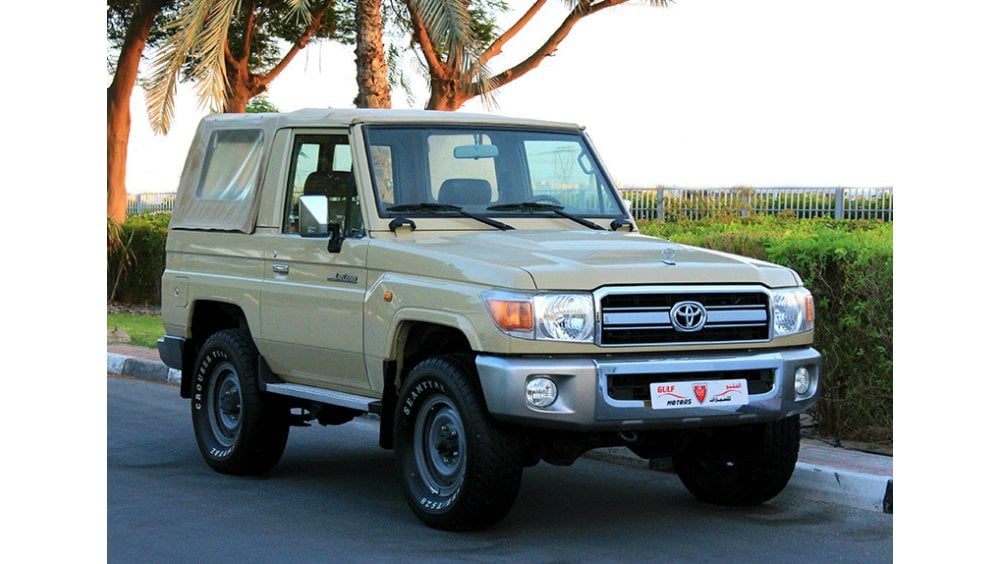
(440, 445)
(225, 401)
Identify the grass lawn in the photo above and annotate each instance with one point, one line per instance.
(144, 329)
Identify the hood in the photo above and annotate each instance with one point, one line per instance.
(566, 260)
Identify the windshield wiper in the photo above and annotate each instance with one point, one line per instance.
(538, 206)
(430, 207)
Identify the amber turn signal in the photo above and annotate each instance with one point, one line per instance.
(512, 315)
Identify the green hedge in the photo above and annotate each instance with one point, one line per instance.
(138, 263)
(848, 267)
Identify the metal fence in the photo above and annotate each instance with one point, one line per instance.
(146, 202)
(671, 204)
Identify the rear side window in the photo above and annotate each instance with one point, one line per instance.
(232, 163)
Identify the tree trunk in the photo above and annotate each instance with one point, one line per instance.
(244, 84)
(450, 88)
(447, 95)
(373, 82)
(119, 96)
(242, 87)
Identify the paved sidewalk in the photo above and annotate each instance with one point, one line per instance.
(823, 472)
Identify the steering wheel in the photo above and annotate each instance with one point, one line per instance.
(546, 198)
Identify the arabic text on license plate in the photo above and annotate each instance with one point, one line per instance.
(707, 393)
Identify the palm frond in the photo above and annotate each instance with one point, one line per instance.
(485, 86)
(449, 25)
(301, 10)
(210, 71)
(395, 74)
(169, 60)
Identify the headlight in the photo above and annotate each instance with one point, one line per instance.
(792, 311)
(545, 316)
(564, 317)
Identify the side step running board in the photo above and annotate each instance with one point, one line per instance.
(350, 401)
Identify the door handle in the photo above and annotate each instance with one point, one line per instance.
(280, 268)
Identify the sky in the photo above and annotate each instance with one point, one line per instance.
(702, 93)
(706, 92)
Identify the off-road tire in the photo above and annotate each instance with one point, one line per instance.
(741, 466)
(240, 429)
(460, 470)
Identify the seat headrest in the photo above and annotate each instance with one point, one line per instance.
(465, 191)
(330, 183)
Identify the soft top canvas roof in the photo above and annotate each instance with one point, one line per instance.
(220, 184)
(346, 117)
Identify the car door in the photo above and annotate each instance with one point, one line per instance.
(312, 299)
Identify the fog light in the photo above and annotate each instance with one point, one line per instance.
(541, 392)
(802, 380)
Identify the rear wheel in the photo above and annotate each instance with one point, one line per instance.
(460, 469)
(741, 466)
(239, 429)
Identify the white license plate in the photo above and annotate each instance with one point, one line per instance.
(707, 393)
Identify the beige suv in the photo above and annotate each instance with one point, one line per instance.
(478, 283)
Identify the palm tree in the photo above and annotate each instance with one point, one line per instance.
(373, 82)
(457, 62)
(228, 48)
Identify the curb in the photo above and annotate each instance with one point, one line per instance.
(827, 474)
(142, 369)
(870, 490)
(856, 489)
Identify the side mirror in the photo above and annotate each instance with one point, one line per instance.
(314, 216)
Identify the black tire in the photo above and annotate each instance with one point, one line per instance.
(460, 470)
(741, 466)
(240, 429)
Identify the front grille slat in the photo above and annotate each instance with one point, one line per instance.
(643, 318)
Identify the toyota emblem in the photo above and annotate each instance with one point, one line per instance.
(688, 317)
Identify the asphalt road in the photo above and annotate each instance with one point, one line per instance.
(335, 497)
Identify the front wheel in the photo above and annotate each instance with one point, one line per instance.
(460, 470)
(239, 429)
(742, 465)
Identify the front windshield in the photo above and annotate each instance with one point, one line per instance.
(478, 168)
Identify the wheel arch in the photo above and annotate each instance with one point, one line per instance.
(413, 341)
(207, 318)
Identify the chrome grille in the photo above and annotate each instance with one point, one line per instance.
(642, 316)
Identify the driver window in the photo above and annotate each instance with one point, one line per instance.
(322, 165)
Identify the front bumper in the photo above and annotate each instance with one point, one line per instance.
(584, 403)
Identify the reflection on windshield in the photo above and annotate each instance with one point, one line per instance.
(482, 170)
